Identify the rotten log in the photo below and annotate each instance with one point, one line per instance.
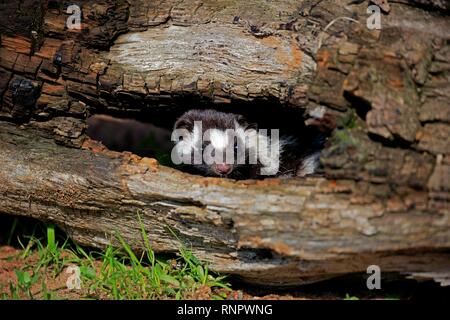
(383, 197)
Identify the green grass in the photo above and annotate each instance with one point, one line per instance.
(113, 273)
(349, 297)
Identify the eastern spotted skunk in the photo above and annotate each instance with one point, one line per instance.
(286, 156)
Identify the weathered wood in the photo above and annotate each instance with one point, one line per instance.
(269, 232)
(384, 196)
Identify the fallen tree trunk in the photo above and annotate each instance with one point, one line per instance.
(269, 232)
(383, 198)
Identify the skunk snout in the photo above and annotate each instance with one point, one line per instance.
(222, 168)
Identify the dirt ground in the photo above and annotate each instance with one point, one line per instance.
(11, 260)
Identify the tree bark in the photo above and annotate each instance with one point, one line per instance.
(384, 195)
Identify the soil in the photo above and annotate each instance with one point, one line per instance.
(11, 260)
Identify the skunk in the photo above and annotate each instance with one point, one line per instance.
(213, 143)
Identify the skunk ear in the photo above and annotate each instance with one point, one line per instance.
(243, 123)
(185, 122)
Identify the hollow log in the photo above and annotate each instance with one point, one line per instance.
(383, 195)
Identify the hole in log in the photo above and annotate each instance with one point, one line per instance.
(121, 134)
(149, 133)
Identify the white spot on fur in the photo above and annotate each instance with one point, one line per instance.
(309, 165)
(219, 139)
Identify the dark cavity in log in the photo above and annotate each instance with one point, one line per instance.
(148, 133)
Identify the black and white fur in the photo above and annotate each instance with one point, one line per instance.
(294, 159)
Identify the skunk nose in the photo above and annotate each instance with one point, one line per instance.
(222, 168)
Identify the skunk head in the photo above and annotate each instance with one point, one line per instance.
(221, 140)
